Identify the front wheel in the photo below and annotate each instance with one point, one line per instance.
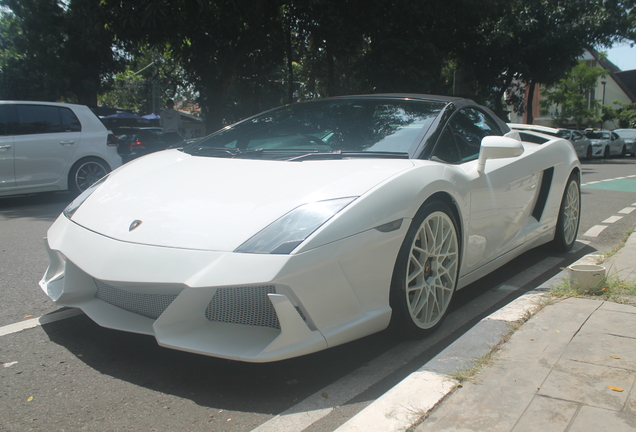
(624, 152)
(85, 172)
(426, 271)
(588, 153)
(569, 216)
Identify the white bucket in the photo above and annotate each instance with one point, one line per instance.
(586, 277)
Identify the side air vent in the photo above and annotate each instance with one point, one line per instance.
(544, 191)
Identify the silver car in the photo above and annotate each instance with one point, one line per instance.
(606, 143)
(629, 136)
(581, 143)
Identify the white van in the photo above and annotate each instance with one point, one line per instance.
(48, 146)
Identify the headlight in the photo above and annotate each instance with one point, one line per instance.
(285, 234)
(77, 202)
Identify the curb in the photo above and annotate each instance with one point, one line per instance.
(404, 405)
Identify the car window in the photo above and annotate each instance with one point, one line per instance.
(39, 119)
(7, 119)
(446, 148)
(469, 126)
(348, 125)
(626, 134)
(614, 136)
(576, 135)
(70, 122)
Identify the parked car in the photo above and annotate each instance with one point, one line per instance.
(135, 142)
(629, 136)
(606, 143)
(46, 146)
(582, 145)
(312, 225)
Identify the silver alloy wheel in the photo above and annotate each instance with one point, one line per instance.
(432, 270)
(88, 173)
(571, 209)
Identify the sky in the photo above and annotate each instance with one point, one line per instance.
(623, 56)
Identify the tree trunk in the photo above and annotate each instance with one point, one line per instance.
(529, 103)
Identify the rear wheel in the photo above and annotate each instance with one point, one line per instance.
(569, 216)
(85, 172)
(426, 271)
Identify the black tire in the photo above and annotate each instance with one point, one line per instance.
(569, 216)
(429, 258)
(85, 172)
(624, 152)
(606, 152)
(588, 153)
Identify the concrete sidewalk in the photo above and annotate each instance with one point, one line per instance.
(571, 367)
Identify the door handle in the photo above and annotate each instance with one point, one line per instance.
(3, 147)
(67, 143)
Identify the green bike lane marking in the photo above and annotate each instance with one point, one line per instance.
(618, 185)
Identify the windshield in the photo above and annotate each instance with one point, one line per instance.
(597, 135)
(367, 127)
(627, 134)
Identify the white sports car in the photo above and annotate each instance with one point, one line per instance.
(311, 225)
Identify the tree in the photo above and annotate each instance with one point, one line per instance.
(61, 48)
(573, 97)
(537, 41)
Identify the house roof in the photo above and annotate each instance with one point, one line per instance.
(626, 80)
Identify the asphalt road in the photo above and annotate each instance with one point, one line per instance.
(74, 375)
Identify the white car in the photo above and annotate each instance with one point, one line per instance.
(606, 143)
(311, 225)
(47, 146)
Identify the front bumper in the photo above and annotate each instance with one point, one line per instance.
(248, 307)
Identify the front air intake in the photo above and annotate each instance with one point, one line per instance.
(243, 305)
(148, 305)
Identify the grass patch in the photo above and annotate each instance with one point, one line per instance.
(612, 288)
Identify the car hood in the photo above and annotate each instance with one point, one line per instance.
(217, 204)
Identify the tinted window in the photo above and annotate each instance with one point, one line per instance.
(446, 148)
(469, 126)
(70, 122)
(350, 125)
(39, 119)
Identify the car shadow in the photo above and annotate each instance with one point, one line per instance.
(43, 206)
(271, 388)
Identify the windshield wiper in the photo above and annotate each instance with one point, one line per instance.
(339, 154)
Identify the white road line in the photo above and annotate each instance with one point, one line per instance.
(35, 322)
(594, 231)
(627, 210)
(612, 219)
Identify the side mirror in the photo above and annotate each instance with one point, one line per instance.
(497, 147)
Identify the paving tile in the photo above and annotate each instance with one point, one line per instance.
(602, 349)
(588, 384)
(597, 419)
(546, 415)
(612, 322)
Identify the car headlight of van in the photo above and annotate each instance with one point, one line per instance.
(290, 230)
(70, 210)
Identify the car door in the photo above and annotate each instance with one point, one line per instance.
(45, 141)
(616, 143)
(501, 196)
(7, 149)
